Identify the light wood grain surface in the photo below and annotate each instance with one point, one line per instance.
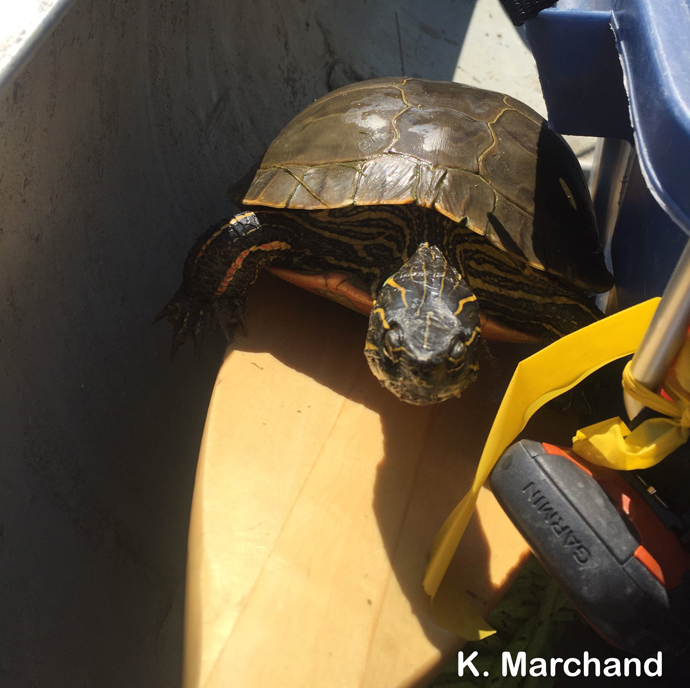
(317, 496)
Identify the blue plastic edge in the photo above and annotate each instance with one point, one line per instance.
(580, 72)
(652, 39)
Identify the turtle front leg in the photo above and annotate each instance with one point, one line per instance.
(218, 273)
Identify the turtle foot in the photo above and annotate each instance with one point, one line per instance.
(192, 318)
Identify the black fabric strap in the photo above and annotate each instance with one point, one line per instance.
(520, 11)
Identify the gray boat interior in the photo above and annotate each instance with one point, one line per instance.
(119, 135)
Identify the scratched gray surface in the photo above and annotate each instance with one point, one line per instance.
(118, 138)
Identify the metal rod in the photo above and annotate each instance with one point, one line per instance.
(665, 335)
(607, 186)
(610, 169)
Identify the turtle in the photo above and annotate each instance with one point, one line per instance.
(449, 212)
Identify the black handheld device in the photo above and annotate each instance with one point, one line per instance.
(621, 567)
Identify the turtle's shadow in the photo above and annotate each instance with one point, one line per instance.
(449, 437)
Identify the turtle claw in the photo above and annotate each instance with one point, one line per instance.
(166, 312)
(239, 314)
(226, 331)
(221, 320)
(189, 318)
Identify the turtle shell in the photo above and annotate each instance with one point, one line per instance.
(478, 157)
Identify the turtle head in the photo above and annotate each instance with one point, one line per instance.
(423, 337)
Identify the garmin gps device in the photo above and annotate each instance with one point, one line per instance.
(624, 570)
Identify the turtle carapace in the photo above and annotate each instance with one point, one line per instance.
(453, 208)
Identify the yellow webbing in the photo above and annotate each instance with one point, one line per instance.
(536, 381)
(610, 443)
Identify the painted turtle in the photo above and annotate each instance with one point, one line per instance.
(446, 210)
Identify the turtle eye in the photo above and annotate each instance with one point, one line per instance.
(393, 341)
(457, 349)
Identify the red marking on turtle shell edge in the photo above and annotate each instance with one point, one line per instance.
(494, 331)
(344, 292)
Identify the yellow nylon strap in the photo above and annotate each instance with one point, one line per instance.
(610, 443)
(536, 381)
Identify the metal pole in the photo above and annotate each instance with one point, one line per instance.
(666, 334)
(612, 160)
(607, 182)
